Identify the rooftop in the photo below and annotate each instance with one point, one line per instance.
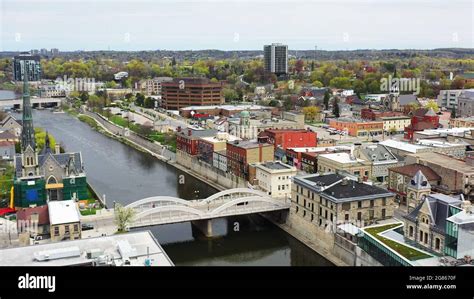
(404, 146)
(444, 161)
(380, 233)
(411, 170)
(320, 149)
(339, 188)
(63, 211)
(142, 241)
(226, 107)
(249, 144)
(344, 158)
(277, 166)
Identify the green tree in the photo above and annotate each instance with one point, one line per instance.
(340, 82)
(230, 95)
(432, 104)
(310, 113)
(123, 217)
(453, 112)
(335, 108)
(140, 99)
(326, 98)
(40, 137)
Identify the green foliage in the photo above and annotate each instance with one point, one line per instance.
(340, 82)
(40, 135)
(123, 217)
(335, 108)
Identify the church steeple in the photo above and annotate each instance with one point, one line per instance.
(28, 132)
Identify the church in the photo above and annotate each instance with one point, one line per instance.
(46, 175)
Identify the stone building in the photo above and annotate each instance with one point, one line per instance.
(426, 224)
(400, 179)
(380, 159)
(44, 176)
(327, 199)
(418, 188)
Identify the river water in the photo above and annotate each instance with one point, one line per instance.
(125, 174)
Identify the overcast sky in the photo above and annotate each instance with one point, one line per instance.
(235, 25)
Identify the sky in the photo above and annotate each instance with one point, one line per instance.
(134, 25)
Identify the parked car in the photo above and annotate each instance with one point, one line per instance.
(86, 226)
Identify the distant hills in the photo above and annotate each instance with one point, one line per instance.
(363, 54)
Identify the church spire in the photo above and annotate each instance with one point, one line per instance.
(28, 132)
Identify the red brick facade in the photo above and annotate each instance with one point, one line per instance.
(290, 138)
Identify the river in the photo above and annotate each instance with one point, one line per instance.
(125, 174)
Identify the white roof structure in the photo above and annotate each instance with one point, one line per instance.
(226, 107)
(319, 149)
(63, 211)
(344, 158)
(404, 146)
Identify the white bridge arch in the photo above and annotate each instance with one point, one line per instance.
(159, 210)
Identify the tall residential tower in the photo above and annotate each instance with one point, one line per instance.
(276, 58)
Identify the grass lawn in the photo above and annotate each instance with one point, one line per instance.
(165, 139)
(88, 120)
(119, 121)
(408, 252)
(87, 212)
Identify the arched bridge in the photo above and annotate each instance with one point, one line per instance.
(159, 210)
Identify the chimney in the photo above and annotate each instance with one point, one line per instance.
(57, 149)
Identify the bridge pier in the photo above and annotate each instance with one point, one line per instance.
(205, 226)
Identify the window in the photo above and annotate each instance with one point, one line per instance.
(359, 204)
(346, 217)
(437, 243)
(346, 206)
(371, 214)
(421, 236)
(383, 213)
(66, 229)
(359, 216)
(56, 231)
(76, 228)
(372, 203)
(426, 238)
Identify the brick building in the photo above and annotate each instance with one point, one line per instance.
(421, 120)
(357, 128)
(187, 139)
(241, 153)
(289, 138)
(184, 92)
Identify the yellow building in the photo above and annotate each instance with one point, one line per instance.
(395, 124)
(335, 162)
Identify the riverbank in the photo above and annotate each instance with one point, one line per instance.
(100, 127)
(291, 231)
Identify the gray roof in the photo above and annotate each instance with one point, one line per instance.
(276, 165)
(406, 99)
(378, 153)
(62, 160)
(340, 190)
(419, 181)
(430, 112)
(355, 191)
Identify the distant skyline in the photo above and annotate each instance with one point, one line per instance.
(235, 25)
